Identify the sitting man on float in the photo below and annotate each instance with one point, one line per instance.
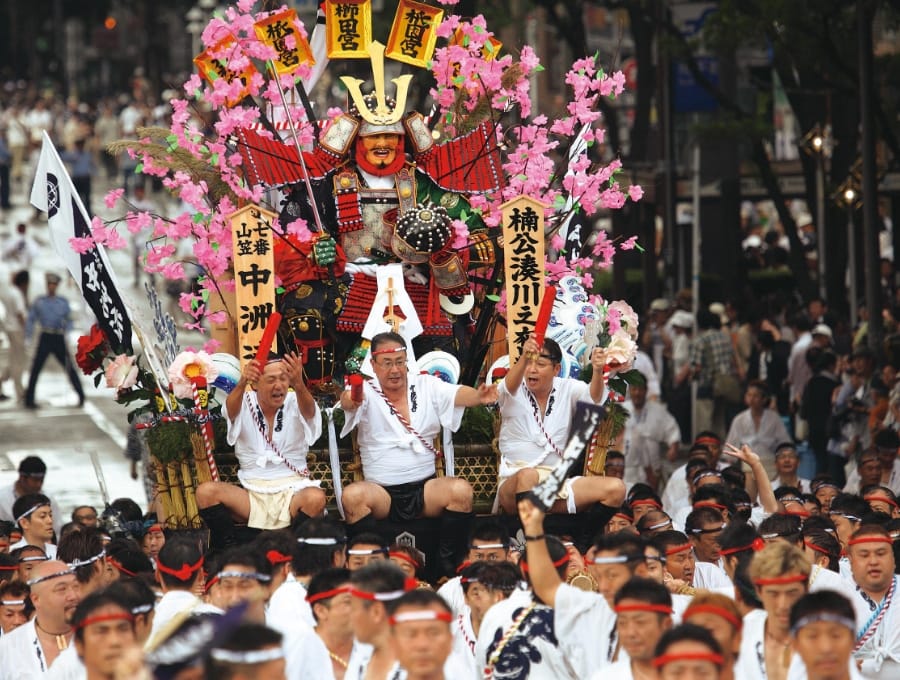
(271, 428)
(396, 420)
(536, 408)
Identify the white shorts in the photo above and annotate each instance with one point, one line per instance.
(270, 499)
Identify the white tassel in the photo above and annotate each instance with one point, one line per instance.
(335, 460)
(449, 460)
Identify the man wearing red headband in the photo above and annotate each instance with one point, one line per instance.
(420, 628)
(780, 575)
(179, 572)
(877, 648)
(688, 651)
(104, 632)
(612, 561)
(271, 428)
(643, 613)
(518, 636)
(331, 601)
(719, 615)
(677, 492)
(396, 421)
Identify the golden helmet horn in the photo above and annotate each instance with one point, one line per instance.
(383, 114)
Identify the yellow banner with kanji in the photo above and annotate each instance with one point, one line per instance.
(523, 255)
(216, 62)
(489, 50)
(414, 33)
(254, 275)
(348, 28)
(281, 31)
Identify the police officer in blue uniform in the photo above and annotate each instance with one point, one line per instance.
(52, 313)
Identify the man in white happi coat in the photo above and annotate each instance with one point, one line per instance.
(536, 409)
(677, 492)
(824, 631)
(651, 434)
(759, 426)
(643, 614)
(780, 573)
(517, 637)
(877, 645)
(179, 572)
(320, 545)
(396, 419)
(271, 429)
(30, 650)
(584, 622)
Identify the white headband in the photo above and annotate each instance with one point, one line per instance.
(824, 616)
(29, 511)
(250, 575)
(12, 603)
(40, 579)
(319, 541)
(250, 657)
(90, 560)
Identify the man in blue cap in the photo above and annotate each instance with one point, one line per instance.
(54, 316)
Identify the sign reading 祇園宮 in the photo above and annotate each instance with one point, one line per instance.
(254, 275)
(281, 32)
(414, 33)
(348, 26)
(523, 254)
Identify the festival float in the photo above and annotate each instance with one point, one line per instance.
(463, 246)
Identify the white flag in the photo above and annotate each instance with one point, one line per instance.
(54, 193)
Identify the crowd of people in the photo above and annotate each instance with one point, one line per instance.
(731, 566)
(703, 552)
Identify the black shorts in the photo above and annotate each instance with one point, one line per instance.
(407, 500)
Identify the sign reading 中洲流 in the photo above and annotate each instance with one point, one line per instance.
(414, 33)
(254, 275)
(348, 25)
(282, 32)
(523, 255)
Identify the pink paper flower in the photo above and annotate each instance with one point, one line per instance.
(189, 365)
(621, 350)
(628, 318)
(112, 197)
(629, 243)
(122, 372)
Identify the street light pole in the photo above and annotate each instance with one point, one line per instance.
(850, 201)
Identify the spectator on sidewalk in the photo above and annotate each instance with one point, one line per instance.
(15, 299)
(54, 316)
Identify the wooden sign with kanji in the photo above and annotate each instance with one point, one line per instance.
(254, 275)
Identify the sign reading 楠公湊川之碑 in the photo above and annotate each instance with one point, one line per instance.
(523, 255)
(348, 25)
(414, 33)
(254, 275)
(281, 31)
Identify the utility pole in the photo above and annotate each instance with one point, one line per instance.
(865, 16)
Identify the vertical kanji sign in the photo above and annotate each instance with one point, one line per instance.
(225, 60)
(523, 254)
(282, 32)
(348, 25)
(254, 275)
(414, 33)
